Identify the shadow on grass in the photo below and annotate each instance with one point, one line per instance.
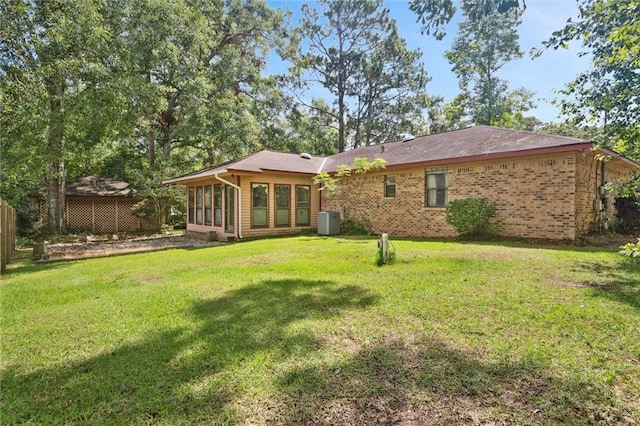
(620, 282)
(23, 263)
(181, 376)
(427, 382)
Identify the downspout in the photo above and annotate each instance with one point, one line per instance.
(320, 191)
(233, 185)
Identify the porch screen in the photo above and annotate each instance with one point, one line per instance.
(283, 204)
(303, 202)
(207, 205)
(199, 205)
(191, 207)
(217, 205)
(260, 204)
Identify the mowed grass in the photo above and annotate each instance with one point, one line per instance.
(307, 330)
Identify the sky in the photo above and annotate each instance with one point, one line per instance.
(544, 75)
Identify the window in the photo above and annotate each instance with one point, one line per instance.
(259, 204)
(207, 205)
(303, 203)
(191, 205)
(390, 185)
(198, 205)
(283, 204)
(217, 205)
(436, 189)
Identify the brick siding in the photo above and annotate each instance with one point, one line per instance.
(543, 196)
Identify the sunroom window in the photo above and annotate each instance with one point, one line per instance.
(259, 204)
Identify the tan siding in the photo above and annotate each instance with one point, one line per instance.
(271, 179)
(245, 203)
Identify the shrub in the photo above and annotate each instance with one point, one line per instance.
(628, 213)
(631, 249)
(470, 216)
(350, 226)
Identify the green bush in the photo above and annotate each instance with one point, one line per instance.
(631, 249)
(470, 216)
(351, 226)
(628, 213)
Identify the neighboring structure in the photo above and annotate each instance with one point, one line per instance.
(544, 186)
(99, 205)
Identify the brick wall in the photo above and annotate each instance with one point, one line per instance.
(535, 197)
(588, 181)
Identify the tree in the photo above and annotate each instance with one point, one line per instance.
(389, 93)
(608, 94)
(571, 130)
(332, 183)
(446, 116)
(194, 71)
(483, 45)
(311, 130)
(433, 15)
(345, 48)
(487, 39)
(52, 56)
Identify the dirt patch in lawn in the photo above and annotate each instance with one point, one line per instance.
(84, 250)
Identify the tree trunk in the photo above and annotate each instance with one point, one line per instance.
(151, 135)
(341, 119)
(151, 146)
(56, 223)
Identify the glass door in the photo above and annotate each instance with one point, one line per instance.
(230, 210)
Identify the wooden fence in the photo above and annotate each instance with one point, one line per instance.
(7, 234)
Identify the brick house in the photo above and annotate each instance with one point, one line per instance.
(543, 186)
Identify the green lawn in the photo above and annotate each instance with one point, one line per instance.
(309, 330)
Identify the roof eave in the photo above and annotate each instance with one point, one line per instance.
(493, 156)
(184, 179)
(619, 157)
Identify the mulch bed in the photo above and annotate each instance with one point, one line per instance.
(86, 250)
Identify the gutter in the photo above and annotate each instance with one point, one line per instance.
(216, 175)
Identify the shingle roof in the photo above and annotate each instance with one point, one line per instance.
(278, 161)
(99, 186)
(470, 143)
(259, 162)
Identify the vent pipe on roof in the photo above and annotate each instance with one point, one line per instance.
(306, 156)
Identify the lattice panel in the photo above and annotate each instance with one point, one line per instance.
(79, 215)
(105, 216)
(42, 210)
(126, 221)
